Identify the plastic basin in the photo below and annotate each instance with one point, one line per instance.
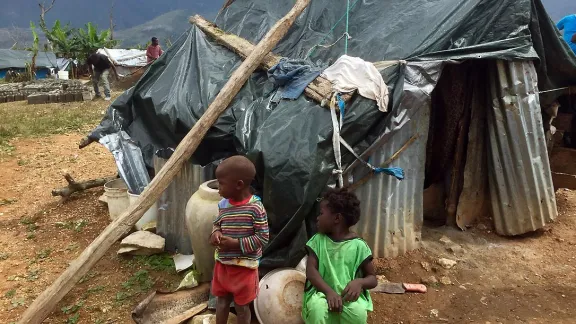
(280, 298)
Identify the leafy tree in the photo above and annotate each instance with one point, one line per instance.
(62, 40)
(89, 40)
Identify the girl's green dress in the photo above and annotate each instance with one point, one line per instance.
(338, 264)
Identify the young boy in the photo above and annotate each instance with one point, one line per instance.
(339, 270)
(240, 232)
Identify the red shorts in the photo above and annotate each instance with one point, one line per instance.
(240, 282)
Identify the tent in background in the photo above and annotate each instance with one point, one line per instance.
(16, 60)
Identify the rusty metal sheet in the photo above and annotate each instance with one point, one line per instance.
(392, 210)
(172, 205)
(520, 181)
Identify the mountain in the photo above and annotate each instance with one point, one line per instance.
(557, 9)
(127, 13)
(138, 20)
(167, 26)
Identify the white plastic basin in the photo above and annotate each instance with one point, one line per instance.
(280, 298)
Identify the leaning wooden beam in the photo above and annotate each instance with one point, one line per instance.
(319, 90)
(45, 303)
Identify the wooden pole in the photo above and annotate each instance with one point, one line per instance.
(319, 90)
(45, 303)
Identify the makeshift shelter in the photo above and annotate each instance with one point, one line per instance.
(464, 78)
(126, 60)
(16, 61)
(130, 65)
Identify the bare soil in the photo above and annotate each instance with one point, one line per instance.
(529, 279)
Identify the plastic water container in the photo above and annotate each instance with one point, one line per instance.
(280, 298)
(63, 75)
(151, 215)
(116, 193)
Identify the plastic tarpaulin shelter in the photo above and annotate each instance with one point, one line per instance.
(290, 142)
(126, 57)
(18, 59)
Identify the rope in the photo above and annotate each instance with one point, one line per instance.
(346, 15)
(337, 103)
(347, 26)
(557, 89)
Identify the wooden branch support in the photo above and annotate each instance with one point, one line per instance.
(319, 90)
(393, 158)
(74, 186)
(45, 303)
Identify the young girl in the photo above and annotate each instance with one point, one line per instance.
(339, 270)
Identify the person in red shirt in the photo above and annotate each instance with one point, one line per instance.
(154, 51)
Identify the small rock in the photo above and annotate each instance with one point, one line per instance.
(561, 240)
(445, 281)
(447, 263)
(429, 281)
(456, 249)
(426, 266)
(462, 287)
(434, 313)
(150, 227)
(142, 243)
(382, 279)
(482, 227)
(444, 240)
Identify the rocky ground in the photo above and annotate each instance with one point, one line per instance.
(484, 279)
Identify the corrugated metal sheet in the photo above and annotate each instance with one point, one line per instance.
(172, 205)
(521, 190)
(391, 219)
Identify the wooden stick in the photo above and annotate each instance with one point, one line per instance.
(74, 186)
(188, 314)
(45, 303)
(319, 90)
(394, 156)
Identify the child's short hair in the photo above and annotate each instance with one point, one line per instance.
(344, 202)
(239, 167)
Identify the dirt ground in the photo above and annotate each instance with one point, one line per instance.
(531, 279)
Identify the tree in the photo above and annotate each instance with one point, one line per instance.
(43, 11)
(89, 40)
(62, 39)
(112, 25)
(32, 66)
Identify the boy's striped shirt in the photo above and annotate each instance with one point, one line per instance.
(249, 224)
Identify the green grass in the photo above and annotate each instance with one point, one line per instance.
(10, 293)
(139, 283)
(22, 120)
(158, 262)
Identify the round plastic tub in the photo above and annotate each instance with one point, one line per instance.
(280, 298)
